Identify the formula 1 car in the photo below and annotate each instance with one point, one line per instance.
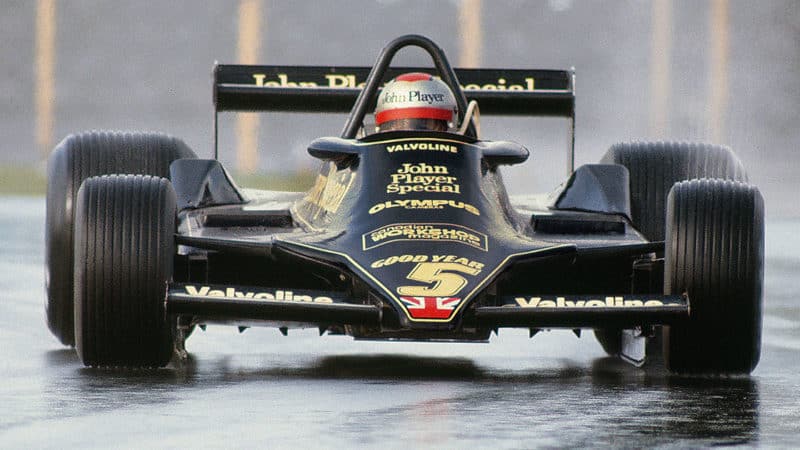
(405, 235)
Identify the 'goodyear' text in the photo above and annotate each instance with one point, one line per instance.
(384, 262)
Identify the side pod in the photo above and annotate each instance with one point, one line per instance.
(202, 182)
(602, 188)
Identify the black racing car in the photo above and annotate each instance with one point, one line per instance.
(405, 235)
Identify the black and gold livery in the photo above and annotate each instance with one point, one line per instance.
(411, 234)
(417, 225)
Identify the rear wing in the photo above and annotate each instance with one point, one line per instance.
(326, 89)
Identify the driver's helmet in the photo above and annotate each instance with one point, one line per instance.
(415, 101)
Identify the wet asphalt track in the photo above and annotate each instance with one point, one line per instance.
(264, 390)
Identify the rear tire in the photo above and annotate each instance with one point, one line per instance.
(655, 167)
(124, 249)
(715, 254)
(76, 158)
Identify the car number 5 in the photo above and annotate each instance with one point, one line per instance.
(445, 282)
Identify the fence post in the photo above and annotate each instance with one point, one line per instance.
(44, 89)
(248, 51)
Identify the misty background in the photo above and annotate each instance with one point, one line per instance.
(645, 70)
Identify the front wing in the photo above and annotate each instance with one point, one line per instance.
(248, 305)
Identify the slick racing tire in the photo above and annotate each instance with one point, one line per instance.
(76, 158)
(124, 249)
(715, 254)
(655, 166)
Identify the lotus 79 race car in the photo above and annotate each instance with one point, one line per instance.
(405, 235)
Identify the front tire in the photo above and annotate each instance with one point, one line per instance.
(76, 158)
(715, 254)
(654, 167)
(124, 248)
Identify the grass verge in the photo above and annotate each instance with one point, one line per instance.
(30, 180)
(22, 180)
(292, 181)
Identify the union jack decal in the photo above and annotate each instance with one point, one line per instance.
(430, 307)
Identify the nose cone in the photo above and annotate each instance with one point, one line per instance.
(419, 219)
